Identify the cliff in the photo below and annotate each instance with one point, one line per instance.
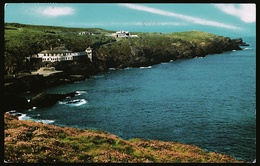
(145, 50)
(34, 142)
(154, 48)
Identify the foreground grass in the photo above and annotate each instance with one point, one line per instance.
(33, 142)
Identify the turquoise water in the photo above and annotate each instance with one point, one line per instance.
(209, 102)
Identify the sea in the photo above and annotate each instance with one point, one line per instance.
(209, 102)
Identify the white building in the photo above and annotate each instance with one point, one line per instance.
(122, 34)
(89, 53)
(62, 54)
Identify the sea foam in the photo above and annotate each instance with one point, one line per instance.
(148, 67)
(75, 102)
(25, 117)
(80, 92)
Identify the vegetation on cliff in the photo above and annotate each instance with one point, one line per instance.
(34, 142)
(154, 48)
(147, 49)
(23, 40)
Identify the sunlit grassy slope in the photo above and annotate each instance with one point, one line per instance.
(33, 142)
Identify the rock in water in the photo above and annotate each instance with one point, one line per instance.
(47, 100)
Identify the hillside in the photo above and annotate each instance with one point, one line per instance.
(147, 49)
(25, 40)
(34, 142)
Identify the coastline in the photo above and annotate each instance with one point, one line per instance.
(70, 72)
(61, 78)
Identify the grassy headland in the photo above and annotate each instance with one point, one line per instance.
(34, 142)
(147, 49)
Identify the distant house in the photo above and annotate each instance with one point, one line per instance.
(122, 34)
(62, 54)
(86, 33)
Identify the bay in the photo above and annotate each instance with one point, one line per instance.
(209, 102)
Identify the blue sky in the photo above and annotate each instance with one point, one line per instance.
(232, 20)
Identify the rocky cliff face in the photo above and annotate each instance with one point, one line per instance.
(132, 52)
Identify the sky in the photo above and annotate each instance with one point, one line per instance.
(227, 19)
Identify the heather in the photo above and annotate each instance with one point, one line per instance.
(34, 142)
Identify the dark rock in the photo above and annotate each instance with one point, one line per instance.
(47, 100)
(14, 102)
(240, 42)
(23, 84)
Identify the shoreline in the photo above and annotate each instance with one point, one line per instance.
(148, 67)
(37, 83)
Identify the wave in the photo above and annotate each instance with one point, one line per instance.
(80, 92)
(18, 114)
(75, 102)
(98, 76)
(25, 117)
(22, 116)
(112, 68)
(44, 121)
(11, 112)
(198, 57)
(247, 48)
(148, 67)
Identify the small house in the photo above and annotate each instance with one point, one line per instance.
(122, 34)
(62, 54)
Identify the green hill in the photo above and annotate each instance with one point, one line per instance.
(25, 40)
(147, 49)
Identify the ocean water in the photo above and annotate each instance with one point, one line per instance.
(209, 102)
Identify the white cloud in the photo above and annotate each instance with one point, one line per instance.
(245, 12)
(55, 11)
(142, 23)
(181, 16)
(149, 23)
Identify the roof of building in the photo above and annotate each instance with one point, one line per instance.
(56, 50)
(122, 32)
